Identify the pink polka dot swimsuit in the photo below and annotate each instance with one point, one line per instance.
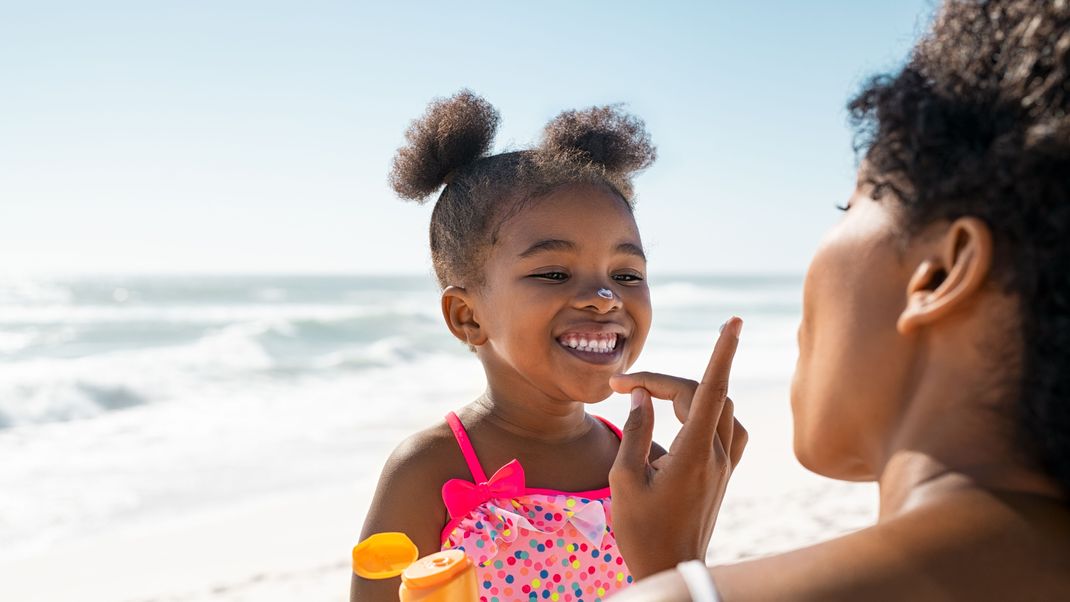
(531, 544)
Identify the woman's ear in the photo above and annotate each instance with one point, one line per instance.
(459, 310)
(950, 277)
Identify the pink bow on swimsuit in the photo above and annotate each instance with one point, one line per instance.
(462, 497)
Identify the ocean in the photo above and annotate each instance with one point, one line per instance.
(127, 402)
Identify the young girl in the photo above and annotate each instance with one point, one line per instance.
(543, 277)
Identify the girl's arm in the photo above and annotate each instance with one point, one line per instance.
(407, 499)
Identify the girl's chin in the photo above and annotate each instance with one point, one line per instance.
(595, 396)
(583, 392)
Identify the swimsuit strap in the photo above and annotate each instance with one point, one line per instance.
(469, 452)
(466, 447)
(611, 426)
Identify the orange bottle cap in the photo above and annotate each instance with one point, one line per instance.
(384, 555)
(435, 569)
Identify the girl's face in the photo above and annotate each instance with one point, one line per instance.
(548, 329)
(853, 364)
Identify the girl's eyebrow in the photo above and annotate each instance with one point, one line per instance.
(550, 244)
(557, 244)
(631, 249)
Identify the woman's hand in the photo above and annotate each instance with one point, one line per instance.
(664, 511)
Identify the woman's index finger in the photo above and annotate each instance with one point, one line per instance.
(706, 407)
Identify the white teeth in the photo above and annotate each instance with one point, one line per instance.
(596, 344)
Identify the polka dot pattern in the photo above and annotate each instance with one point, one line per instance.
(533, 548)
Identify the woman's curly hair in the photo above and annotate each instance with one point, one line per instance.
(448, 147)
(978, 123)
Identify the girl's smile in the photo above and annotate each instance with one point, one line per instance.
(595, 342)
(590, 342)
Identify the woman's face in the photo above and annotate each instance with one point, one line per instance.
(853, 365)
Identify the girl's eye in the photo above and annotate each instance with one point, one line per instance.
(555, 276)
(628, 278)
(843, 207)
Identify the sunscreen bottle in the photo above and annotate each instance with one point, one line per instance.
(447, 576)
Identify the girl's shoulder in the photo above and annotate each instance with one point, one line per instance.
(430, 456)
(408, 495)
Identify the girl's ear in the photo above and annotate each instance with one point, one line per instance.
(458, 309)
(947, 280)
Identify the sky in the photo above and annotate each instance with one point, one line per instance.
(232, 136)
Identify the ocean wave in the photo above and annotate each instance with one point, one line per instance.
(26, 291)
(43, 402)
(233, 357)
(14, 341)
(201, 314)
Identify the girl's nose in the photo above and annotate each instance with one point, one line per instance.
(600, 298)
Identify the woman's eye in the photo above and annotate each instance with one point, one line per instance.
(628, 278)
(843, 207)
(555, 276)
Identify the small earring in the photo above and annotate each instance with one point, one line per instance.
(605, 293)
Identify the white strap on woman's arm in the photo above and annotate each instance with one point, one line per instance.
(699, 583)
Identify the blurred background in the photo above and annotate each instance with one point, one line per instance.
(216, 320)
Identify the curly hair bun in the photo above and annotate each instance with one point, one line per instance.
(604, 136)
(454, 132)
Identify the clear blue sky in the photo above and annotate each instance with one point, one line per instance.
(256, 136)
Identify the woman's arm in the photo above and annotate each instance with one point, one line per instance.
(854, 567)
(971, 544)
(407, 499)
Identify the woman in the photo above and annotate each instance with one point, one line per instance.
(934, 345)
